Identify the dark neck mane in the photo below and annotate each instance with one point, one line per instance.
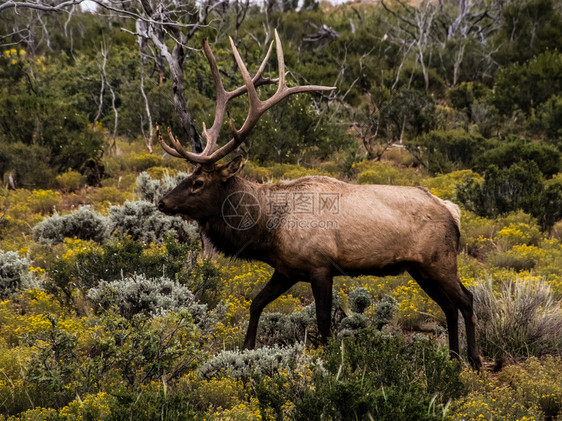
(254, 243)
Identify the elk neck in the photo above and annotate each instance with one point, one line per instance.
(239, 229)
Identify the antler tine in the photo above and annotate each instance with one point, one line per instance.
(223, 96)
(256, 106)
(280, 63)
(252, 94)
(283, 91)
(165, 145)
(211, 135)
(178, 147)
(257, 80)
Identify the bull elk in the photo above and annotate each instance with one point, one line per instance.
(314, 228)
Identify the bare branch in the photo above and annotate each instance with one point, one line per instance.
(39, 6)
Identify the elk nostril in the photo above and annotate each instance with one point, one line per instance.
(161, 206)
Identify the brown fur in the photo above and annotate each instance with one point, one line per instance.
(373, 230)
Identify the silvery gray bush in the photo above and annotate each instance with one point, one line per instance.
(152, 190)
(353, 323)
(143, 222)
(359, 299)
(138, 219)
(266, 361)
(14, 274)
(154, 296)
(84, 223)
(278, 328)
(385, 310)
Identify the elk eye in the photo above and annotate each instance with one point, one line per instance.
(197, 184)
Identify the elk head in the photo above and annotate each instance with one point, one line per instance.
(201, 193)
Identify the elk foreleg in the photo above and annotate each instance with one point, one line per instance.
(277, 285)
(321, 282)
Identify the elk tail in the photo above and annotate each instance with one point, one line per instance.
(455, 212)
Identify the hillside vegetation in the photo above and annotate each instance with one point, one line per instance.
(109, 310)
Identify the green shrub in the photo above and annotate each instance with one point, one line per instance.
(142, 162)
(369, 376)
(549, 209)
(519, 187)
(27, 164)
(174, 260)
(549, 118)
(527, 29)
(504, 154)
(107, 195)
(257, 173)
(120, 356)
(519, 258)
(463, 95)
(49, 133)
(384, 173)
(43, 201)
(444, 186)
(516, 234)
(292, 171)
(71, 180)
(503, 190)
(531, 390)
(526, 86)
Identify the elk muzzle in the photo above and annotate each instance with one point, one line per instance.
(164, 207)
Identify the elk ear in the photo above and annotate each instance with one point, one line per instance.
(231, 168)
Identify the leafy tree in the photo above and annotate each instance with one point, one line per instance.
(521, 186)
(463, 95)
(504, 154)
(27, 165)
(295, 133)
(529, 28)
(407, 113)
(549, 209)
(549, 119)
(443, 151)
(503, 190)
(526, 86)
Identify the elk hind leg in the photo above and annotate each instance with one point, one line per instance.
(277, 285)
(451, 311)
(450, 289)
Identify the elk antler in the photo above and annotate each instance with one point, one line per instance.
(256, 106)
